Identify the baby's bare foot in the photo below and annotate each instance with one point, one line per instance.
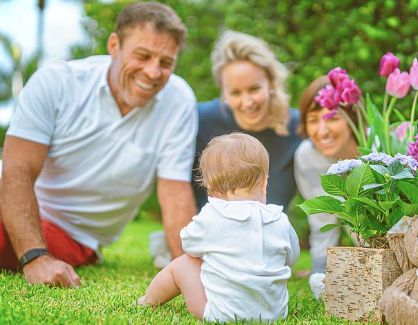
(142, 301)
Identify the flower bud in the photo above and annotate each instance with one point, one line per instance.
(350, 92)
(398, 84)
(336, 76)
(413, 74)
(388, 64)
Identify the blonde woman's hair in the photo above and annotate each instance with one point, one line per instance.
(235, 46)
(233, 161)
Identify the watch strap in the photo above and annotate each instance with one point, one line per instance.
(31, 254)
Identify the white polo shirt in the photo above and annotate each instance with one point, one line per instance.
(101, 166)
(247, 248)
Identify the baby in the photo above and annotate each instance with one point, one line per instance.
(238, 249)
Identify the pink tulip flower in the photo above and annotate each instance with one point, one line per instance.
(328, 97)
(401, 130)
(388, 63)
(413, 74)
(398, 84)
(336, 76)
(350, 92)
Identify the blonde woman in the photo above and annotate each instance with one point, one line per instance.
(254, 101)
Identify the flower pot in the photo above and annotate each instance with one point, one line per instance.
(355, 280)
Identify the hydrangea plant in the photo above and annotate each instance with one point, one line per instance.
(369, 194)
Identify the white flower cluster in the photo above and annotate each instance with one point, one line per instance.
(343, 166)
(379, 157)
(408, 161)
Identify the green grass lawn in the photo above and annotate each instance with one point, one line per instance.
(108, 291)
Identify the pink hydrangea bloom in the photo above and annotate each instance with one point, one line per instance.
(398, 84)
(388, 63)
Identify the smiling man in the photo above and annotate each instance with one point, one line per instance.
(88, 141)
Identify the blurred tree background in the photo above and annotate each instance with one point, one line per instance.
(310, 37)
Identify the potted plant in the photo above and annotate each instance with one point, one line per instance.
(369, 194)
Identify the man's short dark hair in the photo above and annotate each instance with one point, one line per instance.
(163, 18)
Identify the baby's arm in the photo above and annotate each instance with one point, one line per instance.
(194, 237)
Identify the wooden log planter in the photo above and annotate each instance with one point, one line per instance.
(355, 280)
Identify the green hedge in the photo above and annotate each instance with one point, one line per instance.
(311, 37)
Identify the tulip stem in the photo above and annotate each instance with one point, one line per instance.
(411, 125)
(352, 125)
(386, 125)
(361, 127)
(360, 104)
(385, 103)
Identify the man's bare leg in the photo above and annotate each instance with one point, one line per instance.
(181, 276)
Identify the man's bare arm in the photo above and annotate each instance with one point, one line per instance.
(178, 207)
(22, 163)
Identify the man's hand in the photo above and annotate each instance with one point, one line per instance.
(48, 270)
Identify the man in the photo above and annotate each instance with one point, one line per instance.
(87, 141)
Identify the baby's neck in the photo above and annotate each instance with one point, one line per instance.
(245, 195)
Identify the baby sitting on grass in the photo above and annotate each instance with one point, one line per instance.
(238, 249)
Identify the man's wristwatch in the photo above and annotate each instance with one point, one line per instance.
(31, 254)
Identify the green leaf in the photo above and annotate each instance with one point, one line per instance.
(359, 177)
(396, 214)
(372, 186)
(382, 170)
(333, 185)
(395, 167)
(387, 205)
(369, 202)
(410, 190)
(328, 227)
(364, 150)
(375, 224)
(409, 209)
(321, 204)
(375, 122)
(399, 115)
(403, 174)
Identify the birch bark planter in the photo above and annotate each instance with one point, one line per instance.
(355, 280)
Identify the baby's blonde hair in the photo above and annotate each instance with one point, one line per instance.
(233, 161)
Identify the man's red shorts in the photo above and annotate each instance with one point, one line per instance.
(59, 244)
